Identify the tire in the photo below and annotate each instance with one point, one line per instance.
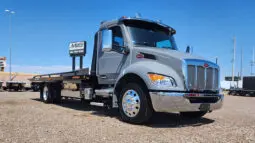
(36, 88)
(46, 93)
(57, 93)
(41, 93)
(197, 114)
(22, 89)
(139, 95)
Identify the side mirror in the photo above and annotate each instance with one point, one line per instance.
(107, 40)
(188, 49)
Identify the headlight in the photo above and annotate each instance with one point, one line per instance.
(161, 80)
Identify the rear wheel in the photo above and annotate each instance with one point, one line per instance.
(46, 94)
(134, 104)
(197, 114)
(57, 93)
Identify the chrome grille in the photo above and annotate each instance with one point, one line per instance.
(216, 81)
(202, 78)
(209, 79)
(191, 76)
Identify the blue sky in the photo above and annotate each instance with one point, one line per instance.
(42, 29)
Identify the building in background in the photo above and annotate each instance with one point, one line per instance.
(2, 63)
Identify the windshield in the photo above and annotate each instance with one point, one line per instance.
(151, 35)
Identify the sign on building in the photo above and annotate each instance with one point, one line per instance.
(2, 63)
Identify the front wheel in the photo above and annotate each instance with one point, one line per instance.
(197, 114)
(134, 104)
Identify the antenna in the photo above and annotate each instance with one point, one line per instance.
(138, 15)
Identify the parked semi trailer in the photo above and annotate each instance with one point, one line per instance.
(248, 87)
(15, 85)
(137, 68)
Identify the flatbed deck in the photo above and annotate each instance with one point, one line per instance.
(241, 92)
(82, 74)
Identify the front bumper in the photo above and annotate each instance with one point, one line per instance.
(185, 102)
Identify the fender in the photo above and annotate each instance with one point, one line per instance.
(142, 68)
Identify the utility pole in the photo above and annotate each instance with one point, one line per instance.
(252, 61)
(237, 82)
(233, 60)
(241, 65)
(10, 13)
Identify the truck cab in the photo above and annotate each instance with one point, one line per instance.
(137, 66)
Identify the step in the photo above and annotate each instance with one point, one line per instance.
(97, 104)
(107, 92)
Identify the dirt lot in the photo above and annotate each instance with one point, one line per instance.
(25, 119)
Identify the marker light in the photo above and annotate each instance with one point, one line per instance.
(139, 56)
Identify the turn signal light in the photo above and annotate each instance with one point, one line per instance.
(155, 77)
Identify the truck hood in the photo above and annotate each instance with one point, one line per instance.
(171, 58)
(167, 53)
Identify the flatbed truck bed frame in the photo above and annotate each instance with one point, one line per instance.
(77, 75)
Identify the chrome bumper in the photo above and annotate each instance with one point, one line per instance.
(182, 102)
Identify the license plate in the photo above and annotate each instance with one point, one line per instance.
(204, 107)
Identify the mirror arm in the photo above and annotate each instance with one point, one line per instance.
(125, 51)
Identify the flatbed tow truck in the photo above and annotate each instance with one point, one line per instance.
(137, 68)
(247, 89)
(1, 85)
(15, 85)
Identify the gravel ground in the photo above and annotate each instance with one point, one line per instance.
(25, 119)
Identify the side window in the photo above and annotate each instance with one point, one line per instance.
(117, 38)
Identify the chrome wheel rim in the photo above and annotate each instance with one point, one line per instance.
(45, 93)
(131, 103)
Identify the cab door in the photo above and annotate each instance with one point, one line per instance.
(110, 57)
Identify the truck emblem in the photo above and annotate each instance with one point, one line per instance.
(206, 65)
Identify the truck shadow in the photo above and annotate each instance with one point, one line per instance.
(159, 120)
(174, 120)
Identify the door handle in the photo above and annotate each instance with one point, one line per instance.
(103, 76)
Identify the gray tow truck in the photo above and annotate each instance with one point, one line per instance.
(137, 68)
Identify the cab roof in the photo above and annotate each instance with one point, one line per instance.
(108, 24)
